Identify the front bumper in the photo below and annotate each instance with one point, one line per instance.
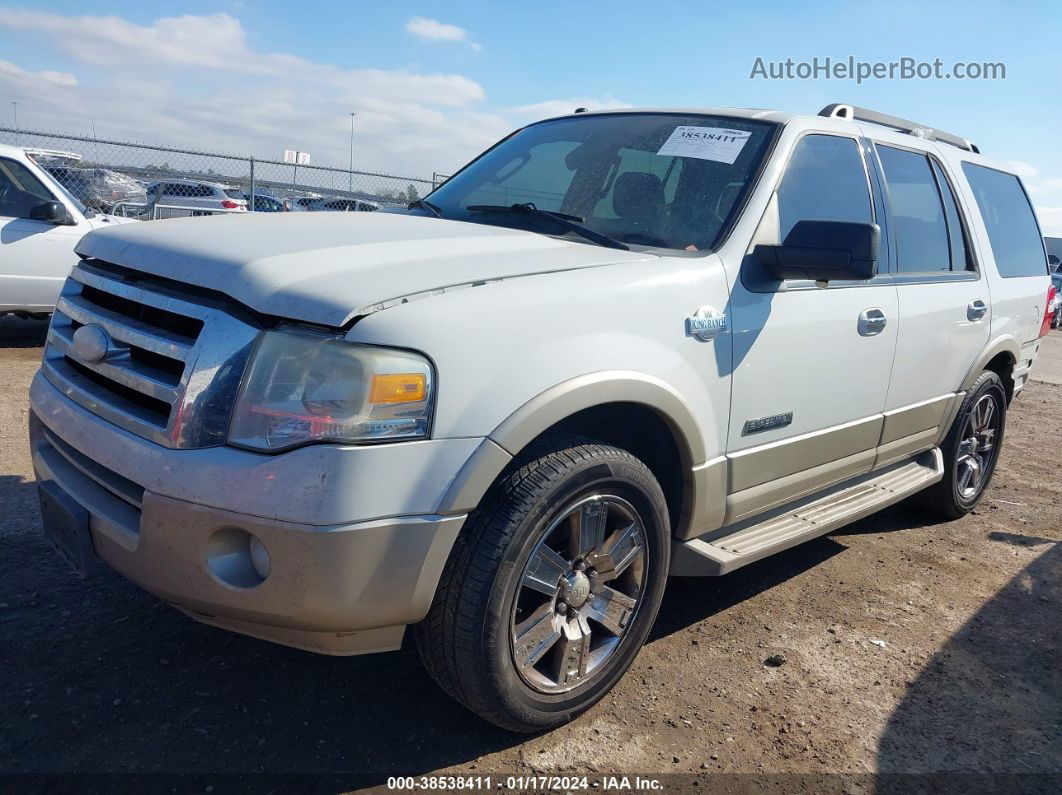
(344, 587)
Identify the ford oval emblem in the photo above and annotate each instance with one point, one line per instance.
(90, 344)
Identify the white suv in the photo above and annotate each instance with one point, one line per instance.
(615, 346)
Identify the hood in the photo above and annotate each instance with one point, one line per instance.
(328, 268)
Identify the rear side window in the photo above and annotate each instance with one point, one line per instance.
(824, 181)
(922, 242)
(1012, 229)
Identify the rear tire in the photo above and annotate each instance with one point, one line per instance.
(551, 588)
(971, 449)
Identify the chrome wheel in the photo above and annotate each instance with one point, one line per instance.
(977, 447)
(579, 592)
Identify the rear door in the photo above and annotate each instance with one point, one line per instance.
(944, 300)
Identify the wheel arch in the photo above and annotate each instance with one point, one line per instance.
(607, 406)
(1000, 357)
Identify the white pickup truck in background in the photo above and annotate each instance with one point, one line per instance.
(40, 223)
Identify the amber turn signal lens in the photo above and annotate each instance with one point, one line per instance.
(398, 388)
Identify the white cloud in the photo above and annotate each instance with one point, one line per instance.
(433, 30)
(1050, 221)
(196, 82)
(16, 73)
(218, 41)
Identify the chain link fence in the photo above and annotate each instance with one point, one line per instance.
(147, 181)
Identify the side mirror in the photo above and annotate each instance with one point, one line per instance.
(824, 251)
(54, 212)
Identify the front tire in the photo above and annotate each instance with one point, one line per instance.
(971, 449)
(551, 588)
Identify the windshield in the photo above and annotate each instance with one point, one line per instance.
(649, 179)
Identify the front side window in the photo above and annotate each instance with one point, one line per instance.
(1012, 229)
(825, 180)
(641, 179)
(921, 231)
(20, 190)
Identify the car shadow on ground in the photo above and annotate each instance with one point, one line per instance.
(989, 701)
(689, 600)
(17, 332)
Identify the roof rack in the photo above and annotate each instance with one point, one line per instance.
(854, 113)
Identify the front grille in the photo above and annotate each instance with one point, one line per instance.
(173, 364)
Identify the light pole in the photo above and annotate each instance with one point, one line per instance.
(350, 174)
(14, 112)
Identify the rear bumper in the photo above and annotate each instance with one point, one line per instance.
(338, 588)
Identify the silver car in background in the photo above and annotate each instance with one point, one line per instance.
(180, 197)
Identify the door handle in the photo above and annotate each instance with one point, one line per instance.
(976, 310)
(871, 322)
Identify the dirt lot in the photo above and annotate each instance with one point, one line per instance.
(909, 647)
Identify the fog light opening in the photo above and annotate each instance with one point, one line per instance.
(237, 558)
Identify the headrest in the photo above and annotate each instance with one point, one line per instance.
(637, 194)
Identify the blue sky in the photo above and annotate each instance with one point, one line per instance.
(435, 82)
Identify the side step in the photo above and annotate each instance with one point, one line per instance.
(722, 551)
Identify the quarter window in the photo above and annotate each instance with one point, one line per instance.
(1012, 229)
(960, 259)
(824, 181)
(918, 222)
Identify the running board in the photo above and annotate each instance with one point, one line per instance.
(722, 551)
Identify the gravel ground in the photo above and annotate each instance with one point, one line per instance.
(905, 646)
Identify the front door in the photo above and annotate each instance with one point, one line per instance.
(35, 256)
(810, 374)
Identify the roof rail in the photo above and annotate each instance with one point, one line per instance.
(854, 113)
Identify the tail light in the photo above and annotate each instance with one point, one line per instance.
(229, 204)
(1046, 325)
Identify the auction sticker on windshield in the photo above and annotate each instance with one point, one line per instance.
(707, 143)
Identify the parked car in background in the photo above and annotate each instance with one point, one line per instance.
(302, 203)
(98, 188)
(341, 204)
(264, 203)
(40, 223)
(1055, 309)
(172, 196)
(1054, 252)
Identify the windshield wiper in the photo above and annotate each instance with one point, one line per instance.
(573, 223)
(425, 205)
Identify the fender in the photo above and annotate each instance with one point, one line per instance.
(1007, 345)
(563, 400)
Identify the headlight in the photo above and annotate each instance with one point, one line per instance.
(303, 388)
